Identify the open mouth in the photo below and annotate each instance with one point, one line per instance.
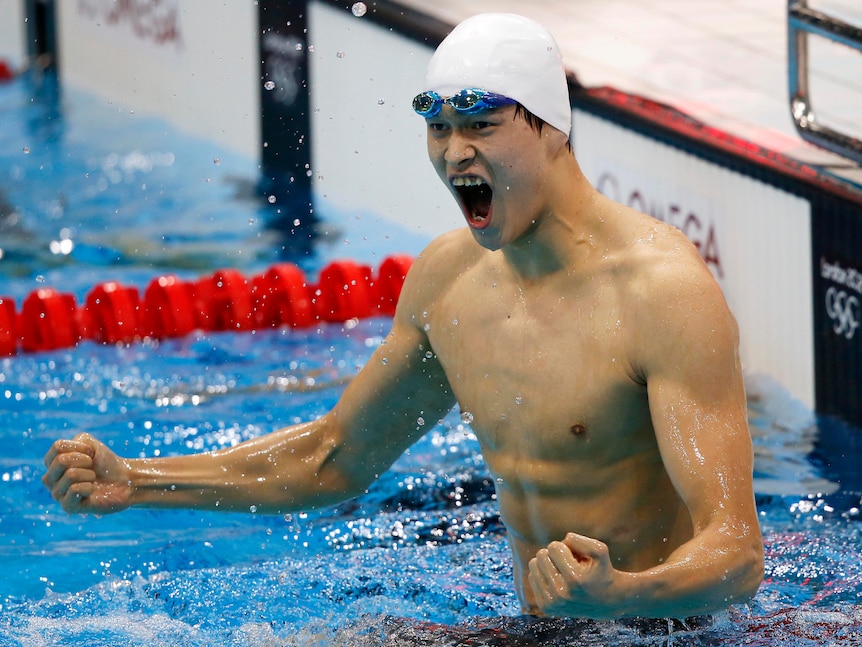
(475, 195)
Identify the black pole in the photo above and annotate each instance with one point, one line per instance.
(42, 35)
(285, 111)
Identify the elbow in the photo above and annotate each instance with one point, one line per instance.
(341, 475)
(756, 570)
(749, 573)
(347, 465)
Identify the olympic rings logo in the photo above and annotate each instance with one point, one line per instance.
(844, 311)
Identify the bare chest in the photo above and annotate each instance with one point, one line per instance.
(544, 380)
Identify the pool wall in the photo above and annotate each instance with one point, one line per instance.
(783, 239)
(182, 60)
(368, 147)
(12, 45)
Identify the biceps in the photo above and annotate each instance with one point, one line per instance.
(705, 445)
(397, 396)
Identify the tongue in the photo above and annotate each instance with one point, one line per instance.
(477, 199)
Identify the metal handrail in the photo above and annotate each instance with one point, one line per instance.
(802, 21)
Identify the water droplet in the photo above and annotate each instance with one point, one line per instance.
(269, 85)
(271, 199)
(454, 322)
(384, 361)
(359, 9)
(426, 327)
(420, 421)
(339, 54)
(252, 509)
(519, 400)
(429, 354)
(380, 102)
(297, 222)
(26, 150)
(466, 417)
(216, 161)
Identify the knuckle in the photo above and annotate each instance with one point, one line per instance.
(58, 494)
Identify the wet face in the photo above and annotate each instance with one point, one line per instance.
(495, 165)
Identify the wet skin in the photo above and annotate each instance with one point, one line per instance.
(598, 359)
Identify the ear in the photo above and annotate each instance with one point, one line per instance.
(555, 140)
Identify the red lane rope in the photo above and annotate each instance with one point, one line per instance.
(6, 72)
(226, 300)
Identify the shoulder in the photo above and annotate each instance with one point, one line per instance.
(679, 309)
(436, 269)
(663, 266)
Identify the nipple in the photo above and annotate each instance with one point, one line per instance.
(577, 430)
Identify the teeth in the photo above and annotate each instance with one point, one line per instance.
(467, 181)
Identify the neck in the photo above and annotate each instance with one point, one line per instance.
(561, 237)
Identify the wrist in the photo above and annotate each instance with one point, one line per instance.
(162, 482)
(628, 595)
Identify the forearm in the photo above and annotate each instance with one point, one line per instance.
(291, 469)
(698, 578)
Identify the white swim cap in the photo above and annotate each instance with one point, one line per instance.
(506, 54)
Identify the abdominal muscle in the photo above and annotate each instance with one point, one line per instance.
(630, 506)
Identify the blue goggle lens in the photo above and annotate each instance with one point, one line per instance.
(468, 102)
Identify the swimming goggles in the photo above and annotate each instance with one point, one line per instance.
(467, 102)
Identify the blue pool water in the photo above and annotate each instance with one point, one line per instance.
(135, 199)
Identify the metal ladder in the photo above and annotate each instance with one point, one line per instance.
(803, 21)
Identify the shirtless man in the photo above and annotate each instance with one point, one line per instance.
(589, 342)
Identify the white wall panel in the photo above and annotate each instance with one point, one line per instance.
(369, 151)
(13, 48)
(192, 62)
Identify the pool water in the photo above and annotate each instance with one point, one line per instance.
(421, 559)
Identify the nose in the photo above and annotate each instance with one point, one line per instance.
(459, 151)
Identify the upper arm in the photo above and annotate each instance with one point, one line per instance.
(402, 391)
(697, 398)
(385, 408)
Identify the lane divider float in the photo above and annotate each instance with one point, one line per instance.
(6, 72)
(225, 300)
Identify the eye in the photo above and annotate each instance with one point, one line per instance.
(437, 126)
(484, 120)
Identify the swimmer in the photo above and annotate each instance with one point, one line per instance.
(588, 342)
